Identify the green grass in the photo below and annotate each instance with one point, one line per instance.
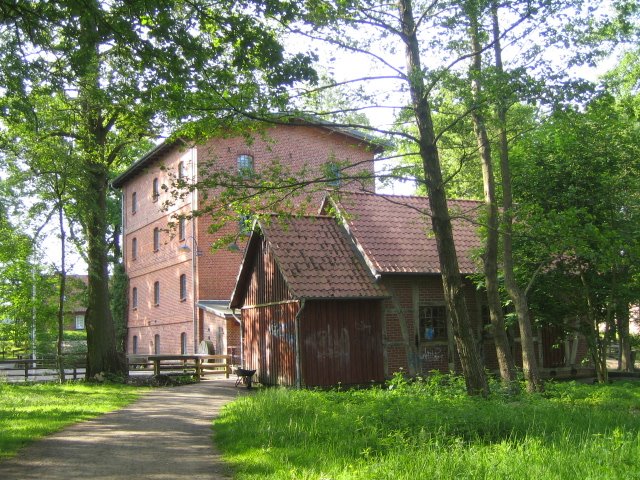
(432, 430)
(30, 411)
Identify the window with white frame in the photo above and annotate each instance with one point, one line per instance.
(433, 323)
(79, 322)
(245, 165)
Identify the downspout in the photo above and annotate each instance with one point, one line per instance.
(194, 255)
(297, 333)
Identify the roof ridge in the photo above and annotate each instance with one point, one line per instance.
(394, 195)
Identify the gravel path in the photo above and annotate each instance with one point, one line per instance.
(166, 434)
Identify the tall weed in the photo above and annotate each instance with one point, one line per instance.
(430, 428)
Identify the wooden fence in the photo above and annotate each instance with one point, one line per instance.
(45, 368)
(41, 369)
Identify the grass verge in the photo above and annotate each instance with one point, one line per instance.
(31, 411)
(433, 430)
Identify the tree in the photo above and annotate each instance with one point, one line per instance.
(579, 206)
(104, 75)
(473, 11)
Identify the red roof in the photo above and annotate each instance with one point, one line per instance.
(317, 259)
(394, 232)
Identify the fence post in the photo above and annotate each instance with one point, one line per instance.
(26, 370)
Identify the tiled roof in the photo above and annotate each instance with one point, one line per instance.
(317, 259)
(395, 235)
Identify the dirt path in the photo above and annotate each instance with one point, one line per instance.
(164, 435)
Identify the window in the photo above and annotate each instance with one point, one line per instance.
(134, 297)
(156, 239)
(134, 202)
(134, 248)
(333, 172)
(183, 287)
(245, 223)
(155, 193)
(433, 323)
(134, 348)
(180, 170)
(156, 344)
(183, 343)
(156, 293)
(245, 165)
(182, 228)
(79, 322)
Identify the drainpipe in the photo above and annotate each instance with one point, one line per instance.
(297, 333)
(194, 256)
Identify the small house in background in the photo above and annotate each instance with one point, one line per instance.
(355, 297)
(311, 310)
(75, 302)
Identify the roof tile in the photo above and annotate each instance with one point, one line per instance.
(395, 231)
(318, 260)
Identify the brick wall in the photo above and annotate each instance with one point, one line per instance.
(409, 294)
(173, 316)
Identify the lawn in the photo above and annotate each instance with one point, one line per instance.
(432, 430)
(30, 411)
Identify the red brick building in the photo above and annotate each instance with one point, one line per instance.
(179, 288)
(310, 287)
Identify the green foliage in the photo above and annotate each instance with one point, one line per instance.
(576, 184)
(431, 429)
(31, 411)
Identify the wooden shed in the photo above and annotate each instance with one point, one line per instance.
(311, 310)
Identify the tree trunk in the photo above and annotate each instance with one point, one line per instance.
(517, 294)
(102, 356)
(490, 257)
(598, 344)
(622, 318)
(61, 292)
(476, 381)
